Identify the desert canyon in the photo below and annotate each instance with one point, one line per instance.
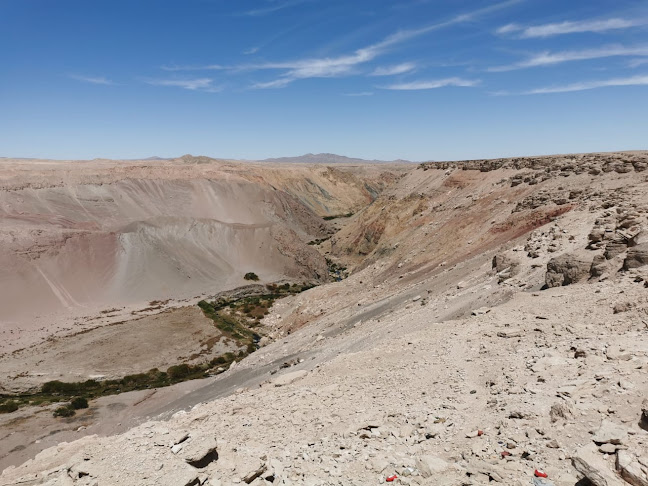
(325, 321)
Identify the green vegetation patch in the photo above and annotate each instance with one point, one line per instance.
(319, 241)
(336, 271)
(235, 318)
(328, 218)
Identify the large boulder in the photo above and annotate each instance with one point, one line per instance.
(637, 257)
(567, 269)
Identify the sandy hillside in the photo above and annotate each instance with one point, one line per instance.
(80, 237)
(494, 324)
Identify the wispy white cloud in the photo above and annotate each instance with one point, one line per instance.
(508, 28)
(634, 63)
(582, 86)
(403, 68)
(361, 93)
(433, 84)
(569, 27)
(92, 79)
(208, 67)
(277, 83)
(551, 58)
(251, 50)
(195, 84)
(343, 65)
(274, 6)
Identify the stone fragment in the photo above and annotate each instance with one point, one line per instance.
(608, 449)
(518, 414)
(288, 378)
(429, 465)
(599, 266)
(541, 482)
(593, 466)
(199, 452)
(481, 311)
(255, 473)
(610, 433)
(509, 333)
(614, 248)
(560, 411)
(630, 469)
(553, 444)
(637, 257)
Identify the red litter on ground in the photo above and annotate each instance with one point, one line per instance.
(480, 433)
(391, 479)
(505, 453)
(540, 474)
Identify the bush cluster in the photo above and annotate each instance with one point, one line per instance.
(70, 409)
(8, 407)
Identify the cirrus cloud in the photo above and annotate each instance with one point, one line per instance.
(570, 27)
(433, 84)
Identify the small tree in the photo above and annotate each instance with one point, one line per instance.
(178, 372)
(8, 407)
(64, 412)
(79, 403)
(251, 276)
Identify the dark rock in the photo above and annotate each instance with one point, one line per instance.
(566, 269)
(637, 257)
(614, 248)
(599, 266)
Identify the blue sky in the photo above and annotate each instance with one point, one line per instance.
(414, 79)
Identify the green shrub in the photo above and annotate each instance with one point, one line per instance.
(251, 276)
(79, 403)
(135, 380)
(8, 407)
(218, 361)
(54, 387)
(179, 371)
(64, 412)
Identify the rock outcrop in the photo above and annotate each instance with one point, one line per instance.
(567, 269)
(636, 257)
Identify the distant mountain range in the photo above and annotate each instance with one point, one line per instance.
(301, 159)
(328, 159)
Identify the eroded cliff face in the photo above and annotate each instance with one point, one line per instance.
(447, 211)
(93, 234)
(444, 214)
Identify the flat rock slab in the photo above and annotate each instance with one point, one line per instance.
(509, 333)
(591, 464)
(610, 433)
(630, 469)
(289, 378)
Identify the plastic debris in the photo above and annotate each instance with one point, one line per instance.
(540, 474)
(391, 479)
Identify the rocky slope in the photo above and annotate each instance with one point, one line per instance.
(494, 325)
